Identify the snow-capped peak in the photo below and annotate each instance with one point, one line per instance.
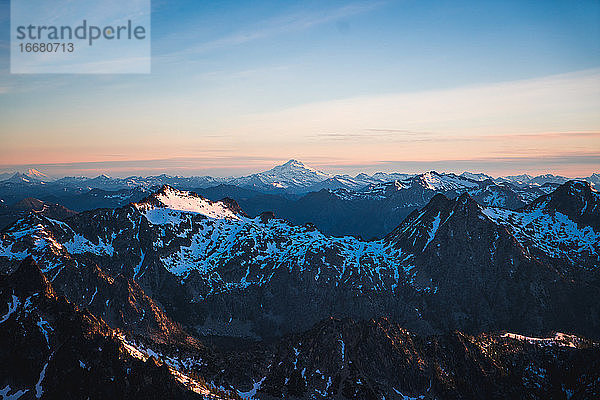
(293, 162)
(35, 174)
(297, 167)
(290, 175)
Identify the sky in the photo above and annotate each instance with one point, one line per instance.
(501, 87)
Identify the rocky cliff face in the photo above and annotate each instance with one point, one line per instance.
(51, 349)
(576, 200)
(487, 274)
(377, 358)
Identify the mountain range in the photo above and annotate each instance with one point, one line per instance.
(368, 206)
(292, 177)
(463, 298)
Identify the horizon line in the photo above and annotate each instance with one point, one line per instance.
(154, 172)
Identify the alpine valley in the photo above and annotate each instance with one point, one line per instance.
(294, 283)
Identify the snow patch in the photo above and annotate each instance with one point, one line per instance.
(38, 386)
(252, 392)
(16, 395)
(12, 307)
(80, 245)
(434, 227)
(559, 339)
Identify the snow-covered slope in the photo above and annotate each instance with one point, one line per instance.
(564, 223)
(293, 175)
(555, 234)
(170, 202)
(37, 175)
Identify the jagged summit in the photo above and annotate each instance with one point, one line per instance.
(421, 226)
(433, 180)
(466, 200)
(170, 198)
(575, 199)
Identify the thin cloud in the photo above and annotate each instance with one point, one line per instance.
(592, 134)
(279, 26)
(399, 131)
(350, 136)
(404, 135)
(389, 134)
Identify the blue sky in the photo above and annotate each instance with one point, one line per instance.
(237, 86)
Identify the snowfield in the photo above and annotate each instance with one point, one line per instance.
(555, 234)
(178, 200)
